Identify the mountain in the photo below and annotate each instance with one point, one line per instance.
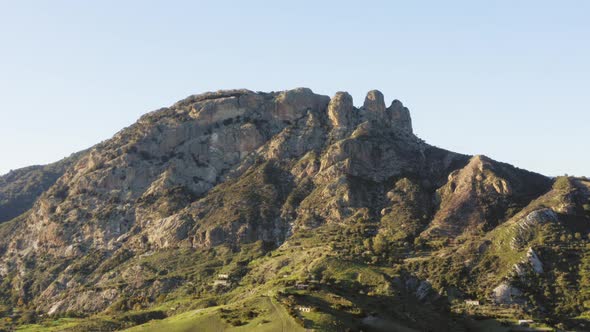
(241, 210)
(20, 188)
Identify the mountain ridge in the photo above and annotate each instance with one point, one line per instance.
(234, 177)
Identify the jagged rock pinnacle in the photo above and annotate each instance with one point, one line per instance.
(340, 109)
(374, 103)
(400, 116)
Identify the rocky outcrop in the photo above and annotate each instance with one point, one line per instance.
(531, 264)
(20, 188)
(525, 228)
(374, 105)
(396, 115)
(506, 294)
(293, 104)
(341, 110)
(534, 260)
(400, 117)
(476, 197)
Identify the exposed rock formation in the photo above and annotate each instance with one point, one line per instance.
(233, 168)
(400, 117)
(142, 178)
(20, 188)
(526, 227)
(340, 110)
(476, 197)
(506, 294)
(374, 105)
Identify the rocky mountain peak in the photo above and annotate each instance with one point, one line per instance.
(374, 104)
(477, 196)
(265, 188)
(400, 117)
(175, 156)
(396, 116)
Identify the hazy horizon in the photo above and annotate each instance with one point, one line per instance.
(503, 79)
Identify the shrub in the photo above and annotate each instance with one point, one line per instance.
(161, 298)
(143, 317)
(28, 317)
(237, 322)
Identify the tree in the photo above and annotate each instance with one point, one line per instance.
(28, 317)
(419, 242)
(380, 244)
(368, 243)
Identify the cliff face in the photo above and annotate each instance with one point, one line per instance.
(20, 188)
(233, 168)
(164, 181)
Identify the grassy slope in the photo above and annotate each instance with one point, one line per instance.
(55, 325)
(274, 318)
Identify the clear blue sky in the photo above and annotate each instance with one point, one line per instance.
(508, 79)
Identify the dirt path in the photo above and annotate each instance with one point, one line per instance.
(279, 313)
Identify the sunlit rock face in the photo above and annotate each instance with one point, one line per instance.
(237, 167)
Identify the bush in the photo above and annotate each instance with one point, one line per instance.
(28, 317)
(161, 298)
(143, 317)
(380, 244)
(419, 243)
(96, 325)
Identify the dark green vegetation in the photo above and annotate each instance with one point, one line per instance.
(236, 211)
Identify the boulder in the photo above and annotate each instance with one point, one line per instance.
(506, 294)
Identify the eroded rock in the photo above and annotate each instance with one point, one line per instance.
(340, 110)
(506, 294)
(374, 105)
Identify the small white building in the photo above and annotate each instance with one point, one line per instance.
(303, 309)
(221, 282)
(223, 276)
(472, 302)
(525, 322)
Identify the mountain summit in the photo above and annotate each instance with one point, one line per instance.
(241, 208)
